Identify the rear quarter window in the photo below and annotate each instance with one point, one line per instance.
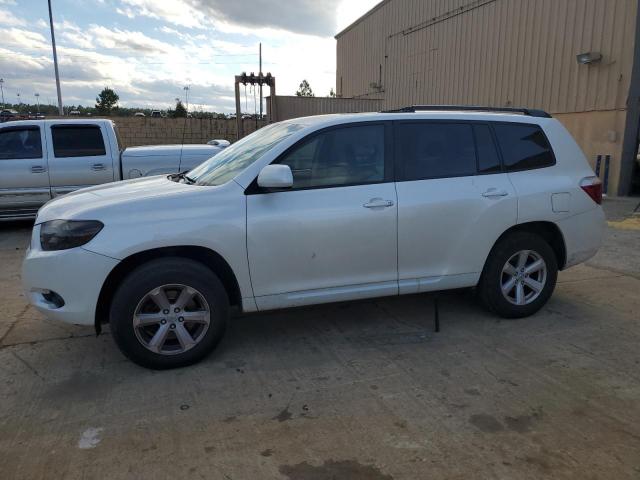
(523, 147)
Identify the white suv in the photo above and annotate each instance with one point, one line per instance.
(321, 209)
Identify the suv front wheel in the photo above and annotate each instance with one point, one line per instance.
(169, 313)
(519, 276)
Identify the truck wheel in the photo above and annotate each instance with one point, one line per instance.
(519, 275)
(169, 313)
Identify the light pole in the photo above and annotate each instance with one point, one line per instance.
(55, 61)
(186, 96)
(2, 90)
(38, 102)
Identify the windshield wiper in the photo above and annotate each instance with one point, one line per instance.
(183, 176)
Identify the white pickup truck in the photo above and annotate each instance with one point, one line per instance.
(42, 159)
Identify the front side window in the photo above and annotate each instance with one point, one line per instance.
(523, 146)
(435, 150)
(77, 141)
(20, 143)
(341, 156)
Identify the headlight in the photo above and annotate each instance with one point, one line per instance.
(64, 234)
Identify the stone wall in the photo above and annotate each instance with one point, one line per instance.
(295, 107)
(136, 131)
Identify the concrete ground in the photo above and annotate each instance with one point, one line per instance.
(361, 390)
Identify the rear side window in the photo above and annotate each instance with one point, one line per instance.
(77, 141)
(338, 157)
(20, 143)
(435, 150)
(523, 147)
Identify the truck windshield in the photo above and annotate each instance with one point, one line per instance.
(234, 159)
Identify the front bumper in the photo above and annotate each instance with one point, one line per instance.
(76, 275)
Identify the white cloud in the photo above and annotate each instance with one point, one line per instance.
(75, 35)
(127, 40)
(9, 19)
(23, 39)
(177, 12)
(203, 43)
(311, 17)
(350, 10)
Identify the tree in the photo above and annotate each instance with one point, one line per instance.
(305, 90)
(106, 101)
(180, 111)
(332, 93)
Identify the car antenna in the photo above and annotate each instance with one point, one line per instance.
(184, 128)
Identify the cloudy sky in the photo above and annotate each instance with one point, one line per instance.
(148, 50)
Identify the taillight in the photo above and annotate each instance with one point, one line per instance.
(592, 187)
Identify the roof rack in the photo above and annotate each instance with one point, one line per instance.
(532, 112)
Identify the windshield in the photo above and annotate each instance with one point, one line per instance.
(234, 159)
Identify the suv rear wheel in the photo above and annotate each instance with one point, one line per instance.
(519, 276)
(169, 313)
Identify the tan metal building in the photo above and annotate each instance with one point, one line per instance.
(507, 53)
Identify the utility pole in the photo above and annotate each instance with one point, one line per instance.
(38, 101)
(260, 73)
(186, 97)
(2, 90)
(55, 61)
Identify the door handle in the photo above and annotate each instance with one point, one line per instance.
(494, 192)
(378, 203)
(97, 166)
(37, 169)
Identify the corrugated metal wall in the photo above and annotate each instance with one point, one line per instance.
(491, 52)
(294, 107)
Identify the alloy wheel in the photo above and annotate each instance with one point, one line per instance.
(523, 277)
(171, 319)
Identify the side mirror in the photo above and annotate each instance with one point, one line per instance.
(219, 143)
(275, 176)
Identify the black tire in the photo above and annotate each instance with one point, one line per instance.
(489, 287)
(151, 275)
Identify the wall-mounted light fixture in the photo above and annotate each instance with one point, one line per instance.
(588, 58)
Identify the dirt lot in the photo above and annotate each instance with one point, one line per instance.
(361, 390)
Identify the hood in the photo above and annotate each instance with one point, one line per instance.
(87, 203)
(171, 150)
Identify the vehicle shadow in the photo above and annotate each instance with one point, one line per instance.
(375, 323)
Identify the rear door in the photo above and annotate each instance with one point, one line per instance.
(454, 201)
(24, 176)
(79, 156)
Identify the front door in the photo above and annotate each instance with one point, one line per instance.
(333, 235)
(79, 157)
(24, 176)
